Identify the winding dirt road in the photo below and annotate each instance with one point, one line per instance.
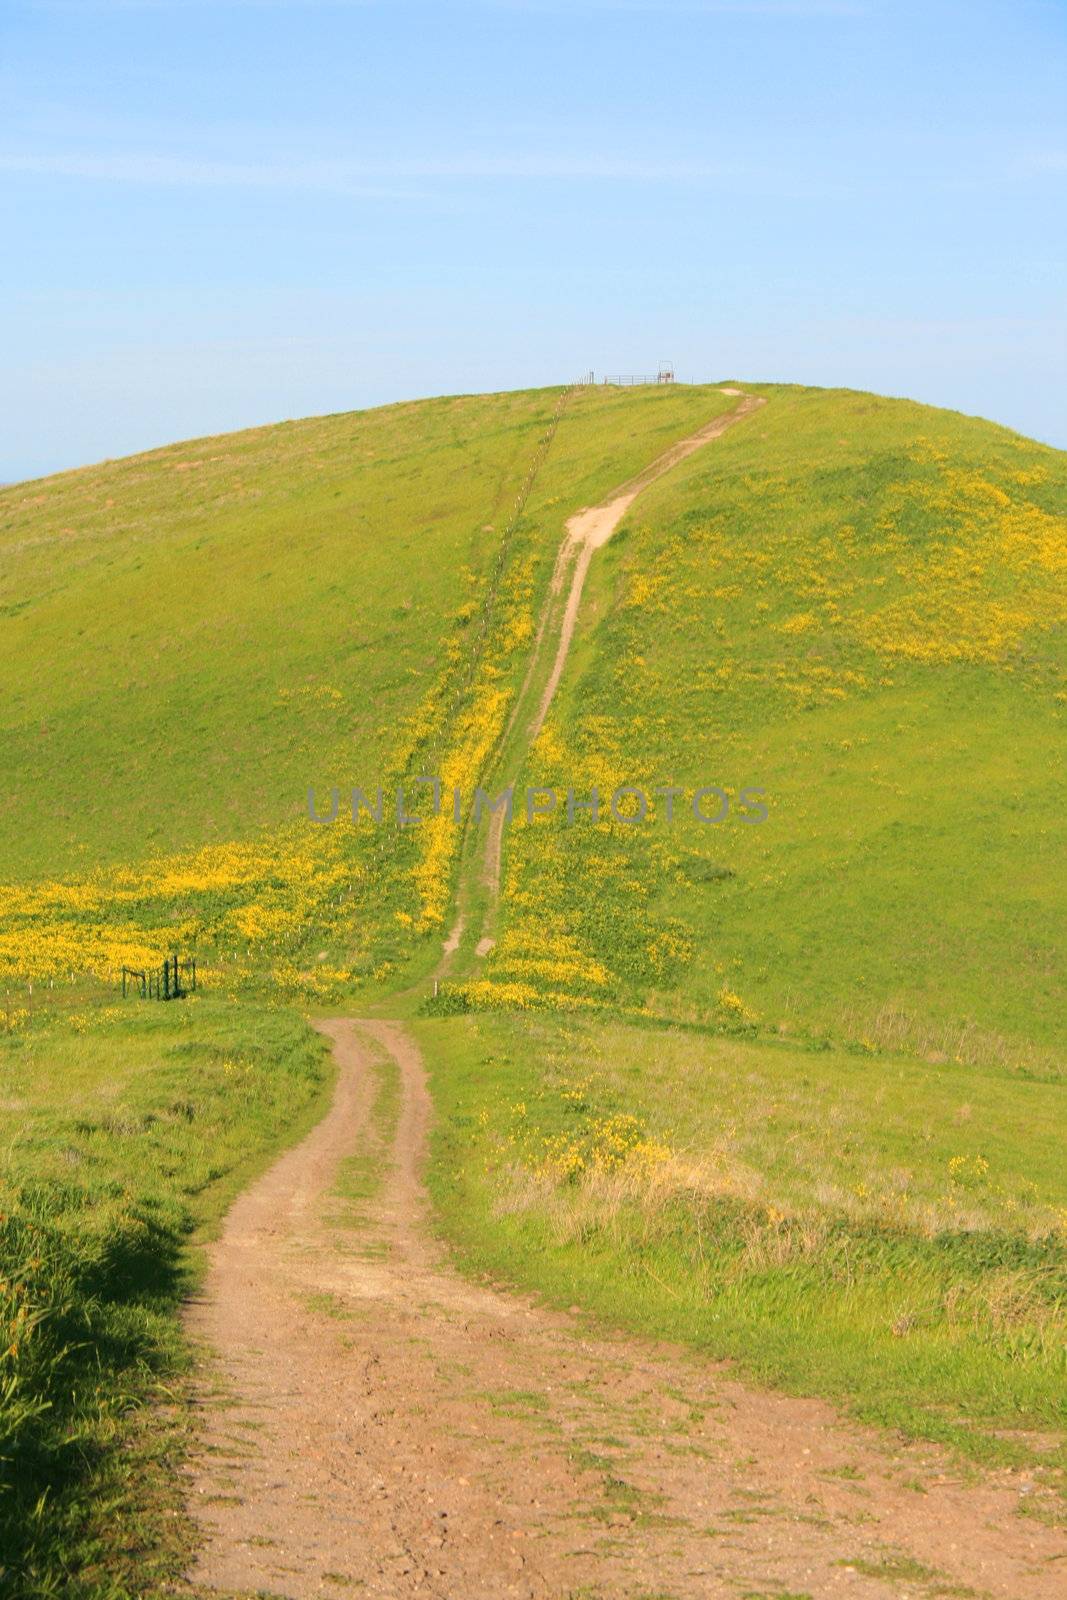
(374, 1424)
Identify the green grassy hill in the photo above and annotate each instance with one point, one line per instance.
(792, 1091)
(853, 604)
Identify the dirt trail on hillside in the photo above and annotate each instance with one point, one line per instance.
(589, 530)
(374, 1424)
(585, 533)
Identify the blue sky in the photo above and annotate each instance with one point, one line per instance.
(224, 212)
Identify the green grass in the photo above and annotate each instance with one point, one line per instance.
(857, 605)
(123, 1139)
(880, 1232)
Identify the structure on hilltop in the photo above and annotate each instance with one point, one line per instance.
(664, 375)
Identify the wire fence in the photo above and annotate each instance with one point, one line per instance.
(172, 980)
(626, 379)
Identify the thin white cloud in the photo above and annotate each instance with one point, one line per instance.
(695, 8)
(213, 5)
(735, 8)
(371, 179)
(193, 172)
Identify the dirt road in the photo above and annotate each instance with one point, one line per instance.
(585, 533)
(374, 1424)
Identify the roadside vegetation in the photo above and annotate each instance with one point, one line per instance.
(882, 1232)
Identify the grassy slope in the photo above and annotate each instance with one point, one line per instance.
(217, 624)
(849, 600)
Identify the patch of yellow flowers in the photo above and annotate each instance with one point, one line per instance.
(616, 1144)
(603, 1145)
(260, 894)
